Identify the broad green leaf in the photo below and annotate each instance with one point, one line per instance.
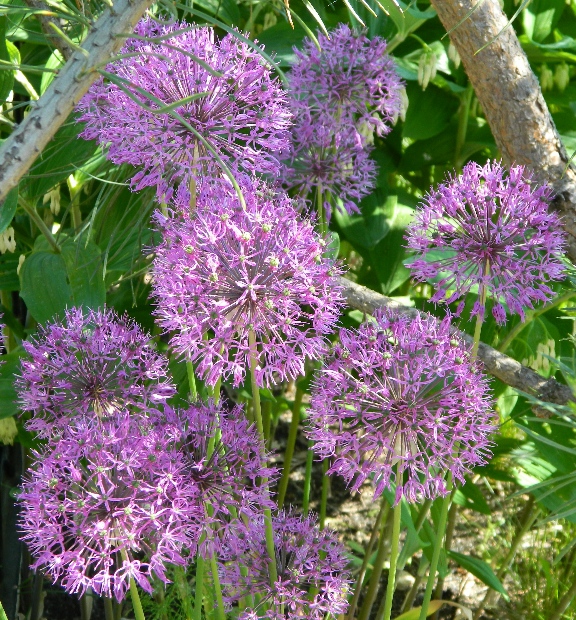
(226, 10)
(481, 570)
(429, 112)
(470, 496)
(8, 397)
(6, 75)
(540, 18)
(85, 274)
(367, 228)
(8, 208)
(280, 40)
(44, 285)
(54, 62)
(407, 18)
(433, 607)
(9, 280)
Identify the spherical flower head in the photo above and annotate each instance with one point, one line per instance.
(488, 229)
(228, 272)
(400, 401)
(335, 164)
(350, 78)
(232, 108)
(225, 458)
(99, 508)
(93, 365)
(313, 577)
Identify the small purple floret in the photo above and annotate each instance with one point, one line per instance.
(399, 401)
(93, 365)
(240, 110)
(227, 270)
(489, 228)
(313, 577)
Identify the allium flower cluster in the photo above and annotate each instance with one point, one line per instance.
(340, 94)
(228, 272)
(488, 229)
(225, 459)
(99, 508)
(350, 79)
(400, 401)
(313, 578)
(232, 108)
(94, 365)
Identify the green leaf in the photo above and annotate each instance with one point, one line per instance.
(8, 208)
(44, 285)
(85, 274)
(63, 154)
(369, 227)
(54, 62)
(9, 280)
(6, 75)
(540, 18)
(470, 496)
(481, 570)
(226, 10)
(8, 397)
(429, 112)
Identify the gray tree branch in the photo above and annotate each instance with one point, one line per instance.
(46, 115)
(497, 364)
(511, 98)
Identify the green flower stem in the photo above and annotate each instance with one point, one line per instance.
(480, 317)
(324, 494)
(374, 584)
(320, 210)
(266, 420)
(33, 214)
(425, 508)
(452, 516)
(290, 445)
(192, 382)
(184, 591)
(391, 585)
(258, 415)
(530, 316)
(382, 516)
(136, 602)
(199, 594)
(108, 608)
(411, 596)
(437, 548)
(217, 589)
(307, 480)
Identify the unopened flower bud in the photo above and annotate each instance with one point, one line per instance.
(546, 78)
(453, 55)
(562, 76)
(426, 68)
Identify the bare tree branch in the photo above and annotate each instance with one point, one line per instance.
(501, 366)
(511, 98)
(19, 151)
(45, 20)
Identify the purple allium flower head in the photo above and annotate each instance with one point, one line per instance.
(400, 401)
(337, 164)
(350, 79)
(238, 109)
(491, 229)
(226, 460)
(228, 270)
(313, 578)
(98, 508)
(93, 365)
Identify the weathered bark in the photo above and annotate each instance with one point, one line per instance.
(511, 98)
(497, 364)
(19, 151)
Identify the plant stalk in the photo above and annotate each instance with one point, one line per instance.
(290, 446)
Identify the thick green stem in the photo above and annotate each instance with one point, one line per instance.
(192, 185)
(382, 516)
(258, 415)
(482, 294)
(374, 584)
(290, 446)
(199, 594)
(108, 608)
(452, 514)
(307, 479)
(136, 602)
(217, 589)
(437, 548)
(33, 214)
(391, 585)
(320, 209)
(324, 494)
(191, 382)
(184, 591)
